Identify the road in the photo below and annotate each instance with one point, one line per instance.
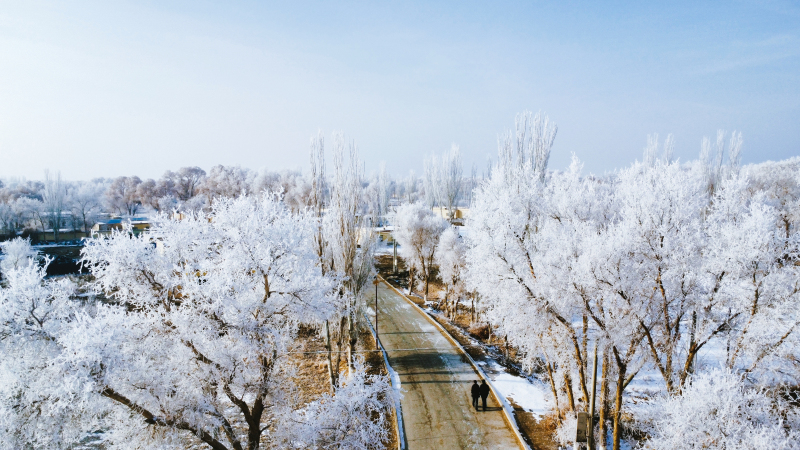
(436, 379)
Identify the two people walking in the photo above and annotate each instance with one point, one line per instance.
(481, 391)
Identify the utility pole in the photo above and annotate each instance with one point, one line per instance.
(394, 266)
(377, 339)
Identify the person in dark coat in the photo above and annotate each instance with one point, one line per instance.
(484, 393)
(476, 392)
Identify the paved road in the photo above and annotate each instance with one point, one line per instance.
(437, 408)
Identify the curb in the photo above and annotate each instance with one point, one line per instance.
(508, 414)
(400, 435)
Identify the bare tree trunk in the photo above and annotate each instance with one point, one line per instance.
(601, 435)
(340, 345)
(353, 339)
(568, 383)
(331, 373)
(692, 343)
(472, 310)
(585, 342)
(555, 391)
(621, 371)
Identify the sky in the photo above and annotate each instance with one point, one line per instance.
(104, 89)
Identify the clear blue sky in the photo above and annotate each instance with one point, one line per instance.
(122, 88)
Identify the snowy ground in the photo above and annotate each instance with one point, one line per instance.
(386, 248)
(532, 395)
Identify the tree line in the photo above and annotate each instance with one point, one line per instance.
(684, 276)
(59, 206)
(184, 336)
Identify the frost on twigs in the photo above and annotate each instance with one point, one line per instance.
(667, 268)
(189, 351)
(718, 410)
(37, 408)
(417, 230)
(353, 418)
(449, 258)
(17, 253)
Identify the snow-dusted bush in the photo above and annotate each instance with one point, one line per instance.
(717, 410)
(565, 432)
(354, 418)
(17, 253)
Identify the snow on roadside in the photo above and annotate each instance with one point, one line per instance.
(398, 390)
(531, 395)
(385, 249)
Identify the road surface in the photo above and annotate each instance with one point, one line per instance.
(436, 380)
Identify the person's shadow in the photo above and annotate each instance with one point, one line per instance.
(493, 408)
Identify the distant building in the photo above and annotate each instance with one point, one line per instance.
(178, 216)
(460, 213)
(138, 225)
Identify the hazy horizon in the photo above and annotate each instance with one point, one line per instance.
(102, 90)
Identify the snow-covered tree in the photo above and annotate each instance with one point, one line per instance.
(778, 185)
(417, 230)
(226, 181)
(411, 187)
(191, 350)
(55, 199)
(17, 253)
(430, 181)
(384, 190)
(450, 180)
(653, 264)
(353, 418)
(186, 181)
(443, 180)
(529, 148)
(7, 219)
(32, 213)
(148, 193)
(754, 267)
(718, 410)
(450, 259)
(37, 407)
(350, 242)
(122, 195)
(85, 202)
(318, 201)
(195, 204)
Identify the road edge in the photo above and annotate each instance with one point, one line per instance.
(398, 408)
(507, 411)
